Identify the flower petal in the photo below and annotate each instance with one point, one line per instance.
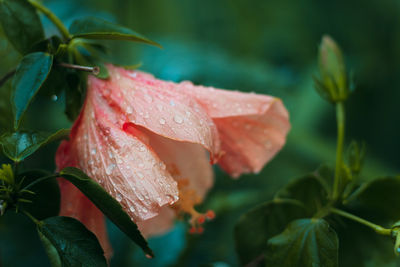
(118, 160)
(158, 106)
(158, 225)
(77, 205)
(189, 165)
(252, 127)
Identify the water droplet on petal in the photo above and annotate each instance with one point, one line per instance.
(172, 103)
(142, 149)
(140, 175)
(144, 210)
(119, 197)
(110, 168)
(132, 209)
(148, 98)
(268, 144)
(93, 151)
(129, 110)
(162, 121)
(178, 119)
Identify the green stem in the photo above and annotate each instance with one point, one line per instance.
(40, 180)
(377, 228)
(53, 18)
(340, 118)
(36, 221)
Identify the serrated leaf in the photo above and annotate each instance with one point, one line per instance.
(255, 227)
(45, 202)
(29, 77)
(379, 199)
(19, 145)
(310, 190)
(75, 245)
(304, 243)
(107, 204)
(21, 24)
(95, 28)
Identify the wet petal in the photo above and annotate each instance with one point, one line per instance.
(190, 166)
(252, 127)
(122, 163)
(141, 99)
(158, 225)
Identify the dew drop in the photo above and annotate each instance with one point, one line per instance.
(129, 110)
(178, 119)
(90, 162)
(148, 98)
(268, 144)
(158, 199)
(142, 149)
(110, 168)
(132, 74)
(140, 175)
(54, 97)
(172, 103)
(144, 210)
(132, 209)
(119, 197)
(162, 121)
(159, 107)
(93, 151)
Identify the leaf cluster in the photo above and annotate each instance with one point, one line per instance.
(57, 65)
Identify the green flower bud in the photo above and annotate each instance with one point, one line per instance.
(332, 84)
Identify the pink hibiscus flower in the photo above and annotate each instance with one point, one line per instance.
(150, 143)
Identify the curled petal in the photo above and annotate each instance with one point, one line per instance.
(122, 163)
(141, 99)
(252, 127)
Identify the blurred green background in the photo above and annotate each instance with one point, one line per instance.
(265, 46)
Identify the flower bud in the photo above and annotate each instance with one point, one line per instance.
(332, 83)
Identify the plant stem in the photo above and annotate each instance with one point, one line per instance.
(340, 118)
(7, 76)
(36, 221)
(377, 228)
(53, 18)
(40, 180)
(95, 70)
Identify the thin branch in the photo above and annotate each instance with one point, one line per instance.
(7, 76)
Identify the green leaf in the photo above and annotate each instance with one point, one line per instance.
(305, 242)
(310, 190)
(95, 28)
(379, 199)
(45, 202)
(19, 145)
(75, 245)
(107, 204)
(21, 24)
(29, 77)
(255, 227)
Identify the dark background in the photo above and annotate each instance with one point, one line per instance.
(267, 47)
